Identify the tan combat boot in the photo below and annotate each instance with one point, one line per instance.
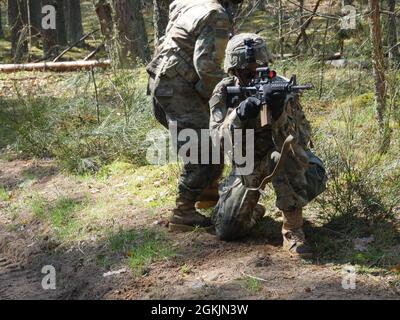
(185, 217)
(294, 240)
(209, 197)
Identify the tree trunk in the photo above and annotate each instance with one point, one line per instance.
(131, 31)
(17, 19)
(61, 30)
(304, 46)
(280, 30)
(140, 44)
(1, 26)
(394, 52)
(49, 36)
(124, 28)
(73, 20)
(55, 66)
(104, 14)
(35, 15)
(160, 19)
(140, 41)
(379, 68)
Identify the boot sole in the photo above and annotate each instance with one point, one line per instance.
(185, 228)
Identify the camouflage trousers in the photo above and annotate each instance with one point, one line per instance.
(233, 215)
(176, 101)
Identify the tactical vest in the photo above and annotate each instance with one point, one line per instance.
(174, 55)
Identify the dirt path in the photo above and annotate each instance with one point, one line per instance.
(200, 268)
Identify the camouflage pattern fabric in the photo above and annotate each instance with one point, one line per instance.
(194, 45)
(183, 73)
(233, 215)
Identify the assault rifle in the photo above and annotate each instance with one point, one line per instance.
(265, 77)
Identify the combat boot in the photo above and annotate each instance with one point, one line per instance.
(185, 217)
(258, 212)
(209, 197)
(294, 240)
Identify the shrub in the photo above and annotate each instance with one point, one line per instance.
(66, 126)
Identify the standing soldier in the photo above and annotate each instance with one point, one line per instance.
(183, 73)
(301, 176)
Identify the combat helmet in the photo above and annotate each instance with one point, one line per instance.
(236, 54)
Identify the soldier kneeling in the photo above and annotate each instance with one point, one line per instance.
(301, 176)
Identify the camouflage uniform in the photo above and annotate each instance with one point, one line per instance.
(183, 74)
(237, 210)
(289, 184)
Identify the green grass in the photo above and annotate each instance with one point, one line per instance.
(64, 125)
(334, 242)
(60, 214)
(155, 186)
(4, 195)
(103, 260)
(185, 269)
(252, 285)
(141, 247)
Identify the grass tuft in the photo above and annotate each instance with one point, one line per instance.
(142, 247)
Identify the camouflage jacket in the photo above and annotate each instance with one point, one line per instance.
(194, 44)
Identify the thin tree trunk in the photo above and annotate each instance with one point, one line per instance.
(35, 14)
(49, 36)
(104, 15)
(61, 30)
(303, 34)
(280, 31)
(394, 52)
(124, 28)
(378, 68)
(140, 41)
(17, 19)
(131, 31)
(1, 26)
(73, 20)
(160, 18)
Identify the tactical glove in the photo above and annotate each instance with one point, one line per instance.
(275, 101)
(249, 109)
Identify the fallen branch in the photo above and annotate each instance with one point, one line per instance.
(253, 277)
(93, 53)
(73, 45)
(55, 66)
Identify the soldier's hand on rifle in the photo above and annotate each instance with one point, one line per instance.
(249, 108)
(275, 100)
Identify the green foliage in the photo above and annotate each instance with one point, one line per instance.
(59, 214)
(253, 285)
(66, 127)
(362, 181)
(141, 247)
(4, 195)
